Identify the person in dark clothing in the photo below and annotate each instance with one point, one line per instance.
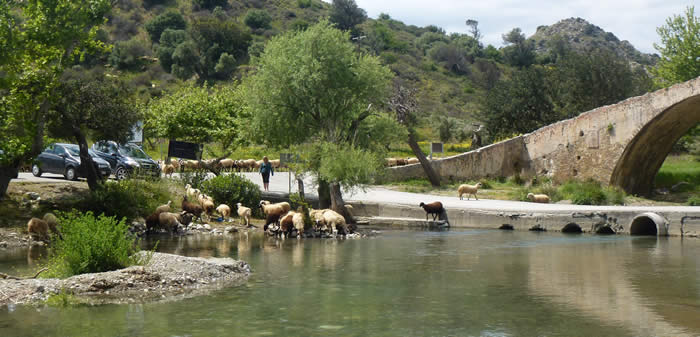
(265, 171)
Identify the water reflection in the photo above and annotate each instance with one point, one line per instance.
(489, 283)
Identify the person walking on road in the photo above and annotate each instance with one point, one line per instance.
(265, 171)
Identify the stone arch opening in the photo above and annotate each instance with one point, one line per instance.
(642, 158)
(572, 228)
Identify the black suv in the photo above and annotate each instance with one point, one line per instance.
(65, 159)
(126, 159)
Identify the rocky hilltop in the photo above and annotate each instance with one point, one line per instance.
(584, 36)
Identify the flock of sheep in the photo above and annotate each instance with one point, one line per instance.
(226, 164)
(279, 218)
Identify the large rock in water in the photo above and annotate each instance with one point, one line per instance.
(164, 277)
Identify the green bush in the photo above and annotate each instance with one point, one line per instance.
(127, 55)
(91, 245)
(694, 201)
(258, 19)
(127, 198)
(304, 3)
(168, 20)
(194, 178)
(584, 193)
(231, 189)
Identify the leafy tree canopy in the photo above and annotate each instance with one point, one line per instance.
(346, 14)
(679, 49)
(167, 20)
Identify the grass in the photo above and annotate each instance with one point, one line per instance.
(683, 172)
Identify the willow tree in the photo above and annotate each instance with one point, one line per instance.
(38, 40)
(314, 87)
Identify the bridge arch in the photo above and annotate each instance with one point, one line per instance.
(642, 158)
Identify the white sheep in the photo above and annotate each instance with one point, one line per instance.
(540, 198)
(244, 213)
(333, 221)
(224, 210)
(171, 221)
(298, 221)
(414, 160)
(468, 190)
(390, 162)
(226, 163)
(168, 170)
(191, 193)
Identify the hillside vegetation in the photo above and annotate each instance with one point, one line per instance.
(160, 44)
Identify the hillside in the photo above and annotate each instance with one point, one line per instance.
(584, 36)
(213, 41)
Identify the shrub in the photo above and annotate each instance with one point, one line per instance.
(91, 245)
(304, 3)
(127, 198)
(584, 193)
(127, 55)
(194, 178)
(258, 19)
(210, 4)
(160, 23)
(694, 201)
(231, 189)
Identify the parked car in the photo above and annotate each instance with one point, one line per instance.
(65, 159)
(126, 159)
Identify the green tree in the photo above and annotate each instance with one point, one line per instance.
(94, 105)
(679, 49)
(210, 4)
(519, 51)
(38, 39)
(312, 85)
(167, 20)
(128, 55)
(520, 105)
(169, 40)
(258, 19)
(197, 114)
(345, 14)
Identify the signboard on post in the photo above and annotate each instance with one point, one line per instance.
(435, 148)
(185, 150)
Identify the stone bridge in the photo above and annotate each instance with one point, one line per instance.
(623, 144)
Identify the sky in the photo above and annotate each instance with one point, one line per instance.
(632, 20)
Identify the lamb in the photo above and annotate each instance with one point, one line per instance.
(435, 208)
(171, 221)
(250, 164)
(272, 218)
(226, 164)
(244, 213)
(39, 229)
(191, 192)
(390, 162)
(468, 190)
(410, 161)
(317, 215)
(164, 208)
(224, 210)
(168, 170)
(298, 221)
(540, 198)
(193, 208)
(275, 163)
(335, 222)
(287, 222)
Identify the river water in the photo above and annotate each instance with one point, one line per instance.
(410, 283)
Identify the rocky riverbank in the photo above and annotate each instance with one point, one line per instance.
(164, 277)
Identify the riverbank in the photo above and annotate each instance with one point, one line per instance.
(164, 277)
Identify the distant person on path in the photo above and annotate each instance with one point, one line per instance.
(265, 171)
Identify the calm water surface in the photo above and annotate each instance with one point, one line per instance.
(407, 283)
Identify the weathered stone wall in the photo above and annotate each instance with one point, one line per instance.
(497, 160)
(591, 145)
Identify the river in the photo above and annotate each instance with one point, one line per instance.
(409, 283)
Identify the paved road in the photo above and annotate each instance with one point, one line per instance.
(279, 183)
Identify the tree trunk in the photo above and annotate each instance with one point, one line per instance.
(300, 185)
(7, 173)
(338, 204)
(427, 167)
(324, 194)
(86, 163)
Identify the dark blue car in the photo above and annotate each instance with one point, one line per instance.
(126, 159)
(65, 159)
